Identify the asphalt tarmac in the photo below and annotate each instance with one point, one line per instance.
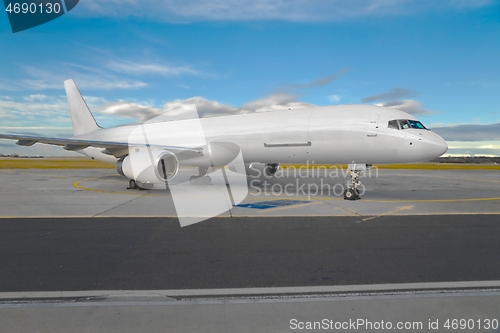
(103, 193)
(79, 252)
(61, 254)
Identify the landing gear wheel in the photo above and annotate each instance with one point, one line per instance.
(200, 180)
(132, 185)
(351, 194)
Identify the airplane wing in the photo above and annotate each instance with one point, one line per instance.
(29, 140)
(117, 149)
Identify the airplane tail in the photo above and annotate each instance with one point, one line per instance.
(82, 119)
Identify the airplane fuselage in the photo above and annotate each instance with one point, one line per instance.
(336, 134)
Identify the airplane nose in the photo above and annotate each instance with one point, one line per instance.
(437, 145)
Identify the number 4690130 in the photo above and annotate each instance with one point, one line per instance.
(33, 8)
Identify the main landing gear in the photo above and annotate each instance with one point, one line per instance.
(201, 179)
(132, 185)
(355, 171)
(135, 185)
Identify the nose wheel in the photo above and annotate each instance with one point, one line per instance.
(351, 194)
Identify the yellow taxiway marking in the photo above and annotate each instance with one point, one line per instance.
(389, 213)
(83, 188)
(78, 186)
(37, 174)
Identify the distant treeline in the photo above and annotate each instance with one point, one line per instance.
(19, 156)
(467, 159)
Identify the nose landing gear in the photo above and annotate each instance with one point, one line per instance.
(355, 171)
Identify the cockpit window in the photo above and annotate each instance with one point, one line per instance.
(405, 124)
(416, 124)
(393, 124)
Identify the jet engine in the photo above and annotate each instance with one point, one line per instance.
(149, 166)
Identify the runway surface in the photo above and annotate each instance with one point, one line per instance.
(155, 253)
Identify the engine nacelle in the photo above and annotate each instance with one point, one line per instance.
(149, 166)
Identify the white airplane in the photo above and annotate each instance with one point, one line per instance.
(357, 135)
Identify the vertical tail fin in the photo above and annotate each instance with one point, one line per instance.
(82, 119)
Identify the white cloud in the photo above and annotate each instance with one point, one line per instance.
(84, 82)
(143, 112)
(205, 107)
(275, 102)
(40, 111)
(394, 99)
(51, 106)
(334, 98)
(37, 97)
(287, 10)
(393, 94)
(410, 106)
(88, 77)
(129, 110)
(132, 67)
(93, 101)
(109, 75)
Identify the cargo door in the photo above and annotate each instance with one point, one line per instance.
(373, 125)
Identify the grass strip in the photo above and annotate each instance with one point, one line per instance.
(83, 163)
(49, 163)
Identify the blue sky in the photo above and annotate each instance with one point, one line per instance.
(132, 60)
